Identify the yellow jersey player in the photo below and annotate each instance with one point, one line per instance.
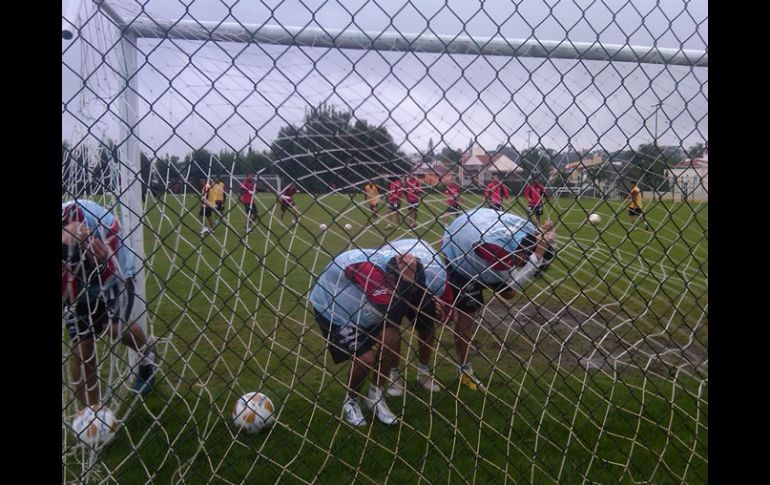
(372, 197)
(634, 200)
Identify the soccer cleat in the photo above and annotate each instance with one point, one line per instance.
(396, 387)
(470, 381)
(351, 411)
(426, 380)
(145, 372)
(376, 402)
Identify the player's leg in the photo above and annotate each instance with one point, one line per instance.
(468, 301)
(388, 338)
(84, 320)
(132, 335)
(425, 342)
(83, 370)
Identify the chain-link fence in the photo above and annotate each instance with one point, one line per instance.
(444, 241)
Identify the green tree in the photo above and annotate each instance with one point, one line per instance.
(330, 148)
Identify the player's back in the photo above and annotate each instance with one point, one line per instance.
(482, 225)
(106, 227)
(338, 299)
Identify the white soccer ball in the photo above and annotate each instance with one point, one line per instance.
(253, 412)
(95, 427)
(594, 218)
(322, 227)
(348, 227)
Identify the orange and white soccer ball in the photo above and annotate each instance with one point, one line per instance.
(95, 426)
(253, 412)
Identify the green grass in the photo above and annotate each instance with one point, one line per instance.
(233, 317)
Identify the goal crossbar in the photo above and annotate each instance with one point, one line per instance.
(394, 41)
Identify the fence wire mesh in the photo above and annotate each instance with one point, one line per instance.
(499, 208)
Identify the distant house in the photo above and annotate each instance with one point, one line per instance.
(431, 173)
(689, 180)
(478, 166)
(577, 171)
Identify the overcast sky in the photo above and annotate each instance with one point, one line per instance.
(221, 95)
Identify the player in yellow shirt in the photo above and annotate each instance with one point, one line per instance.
(372, 197)
(634, 200)
(213, 200)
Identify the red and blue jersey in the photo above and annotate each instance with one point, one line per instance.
(103, 225)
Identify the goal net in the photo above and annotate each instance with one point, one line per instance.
(597, 371)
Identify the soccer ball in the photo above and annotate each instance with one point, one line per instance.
(594, 218)
(253, 412)
(94, 426)
(322, 227)
(348, 227)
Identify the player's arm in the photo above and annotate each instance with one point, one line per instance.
(523, 276)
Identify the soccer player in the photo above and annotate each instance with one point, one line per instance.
(395, 193)
(358, 303)
(218, 196)
(372, 197)
(634, 202)
(413, 189)
(535, 194)
(248, 190)
(423, 310)
(286, 198)
(453, 193)
(495, 192)
(207, 206)
(486, 249)
(98, 294)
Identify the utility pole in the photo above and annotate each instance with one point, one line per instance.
(657, 108)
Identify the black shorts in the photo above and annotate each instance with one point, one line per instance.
(220, 206)
(250, 207)
(634, 211)
(345, 342)
(536, 210)
(413, 205)
(89, 315)
(497, 207)
(394, 206)
(205, 210)
(422, 314)
(453, 208)
(468, 294)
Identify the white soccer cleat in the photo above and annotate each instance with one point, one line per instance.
(396, 387)
(351, 411)
(426, 380)
(376, 402)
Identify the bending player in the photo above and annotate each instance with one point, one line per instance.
(486, 249)
(98, 294)
(426, 305)
(359, 299)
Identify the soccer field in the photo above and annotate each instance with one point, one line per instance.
(597, 373)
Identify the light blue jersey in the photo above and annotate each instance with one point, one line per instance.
(104, 226)
(341, 301)
(435, 274)
(483, 225)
